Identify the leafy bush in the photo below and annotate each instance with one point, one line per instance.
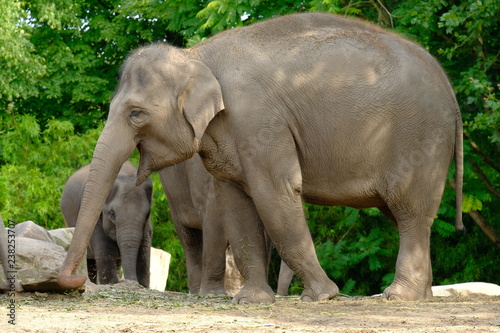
(356, 248)
(35, 164)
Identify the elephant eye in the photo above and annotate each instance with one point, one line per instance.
(112, 215)
(138, 117)
(135, 113)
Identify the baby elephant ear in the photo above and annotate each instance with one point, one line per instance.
(201, 99)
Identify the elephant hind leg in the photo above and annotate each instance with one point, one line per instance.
(413, 195)
(413, 279)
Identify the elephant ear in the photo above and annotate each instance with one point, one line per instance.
(201, 98)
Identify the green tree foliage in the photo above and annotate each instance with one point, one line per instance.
(36, 164)
(20, 65)
(60, 63)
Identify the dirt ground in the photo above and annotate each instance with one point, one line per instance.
(127, 308)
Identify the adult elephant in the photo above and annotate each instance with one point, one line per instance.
(123, 232)
(309, 107)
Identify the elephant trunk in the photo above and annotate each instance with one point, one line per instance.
(129, 243)
(106, 163)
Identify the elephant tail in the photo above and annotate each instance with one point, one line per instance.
(459, 173)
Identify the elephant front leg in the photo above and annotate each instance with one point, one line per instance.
(285, 222)
(413, 279)
(276, 190)
(106, 269)
(92, 270)
(248, 242)
(106, 253)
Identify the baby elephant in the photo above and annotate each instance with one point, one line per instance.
(122, 236)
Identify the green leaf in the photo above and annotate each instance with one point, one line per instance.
(471, 202)
(445, 229)
(374, 263)
(348, 287)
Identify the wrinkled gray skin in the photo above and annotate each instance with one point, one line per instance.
(195, 215)
(309, 107)
(123, 232)
(198, 222)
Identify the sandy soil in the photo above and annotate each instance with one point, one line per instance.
(128, 308)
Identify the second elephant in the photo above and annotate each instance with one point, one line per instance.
(123, 233)
(199, 222)
(188, 187)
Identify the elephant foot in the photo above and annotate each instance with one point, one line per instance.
(325, 292)
(397, 292)
(252, 294)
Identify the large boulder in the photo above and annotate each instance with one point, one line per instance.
(39, 255)
(38, 264)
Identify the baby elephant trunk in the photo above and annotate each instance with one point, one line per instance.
(129, 245)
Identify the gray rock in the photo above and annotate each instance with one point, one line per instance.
(38, 263)
(62, 236)
(30, 229)
(39, 255)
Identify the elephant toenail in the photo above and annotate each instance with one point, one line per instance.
(306, 299)
(323, 297)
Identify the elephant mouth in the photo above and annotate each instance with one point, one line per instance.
(144, 169)
(142, 175)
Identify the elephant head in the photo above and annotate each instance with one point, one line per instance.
(162, 106)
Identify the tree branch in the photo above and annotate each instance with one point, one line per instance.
(384, 16)
(485, 179)
(485, 227)
(483, 156)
